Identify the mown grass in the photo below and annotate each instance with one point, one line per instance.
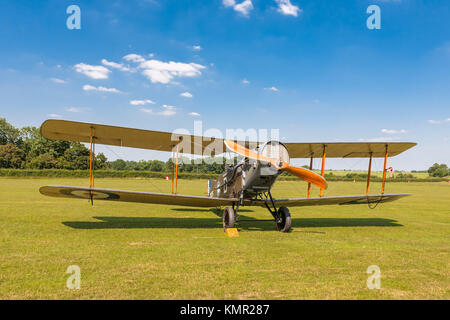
(141, 251)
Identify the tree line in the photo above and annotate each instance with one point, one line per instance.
(25, 148)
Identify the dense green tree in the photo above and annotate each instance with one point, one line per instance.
(33, 144)
(438, 170)
(43, 161)
(8, 134)
(11, 156)
(76, 157)
(157, 166)
(100, 161)
(118, 164)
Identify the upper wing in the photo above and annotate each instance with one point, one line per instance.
(134, 196)
(321, 201)
(165, 141)
(135, 138)
(347, 149)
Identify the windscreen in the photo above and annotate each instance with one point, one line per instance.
(275, 150)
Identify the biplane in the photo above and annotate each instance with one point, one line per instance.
(248, 182)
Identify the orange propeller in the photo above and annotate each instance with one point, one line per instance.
(302, 173)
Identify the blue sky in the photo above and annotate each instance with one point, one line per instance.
(310, 68)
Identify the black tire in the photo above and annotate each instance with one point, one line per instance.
(228, 218)
(285, 224)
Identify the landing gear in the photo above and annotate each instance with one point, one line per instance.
(284, 222)
(282, 216)
(228, 218)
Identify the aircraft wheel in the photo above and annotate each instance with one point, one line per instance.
(285, 224)
(228, 218)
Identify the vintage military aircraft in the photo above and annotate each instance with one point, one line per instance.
(247, 183)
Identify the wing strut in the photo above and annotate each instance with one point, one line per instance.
(322, 172)
(91, 158)
(175, 171)
(369, 171)
(384, 179)
(91, 162)
(310, 168)
(384, 170)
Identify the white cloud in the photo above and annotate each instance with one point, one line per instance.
(146, 110)
(115, 65)
(167, 111)
(164, 72)
(391, 131)
(134, 58)
(165, 106)
(194, 114)
(245, 81)
(56, 80)
(228, 3)
(88, 87)
(287, 8)
(275, 89)
(74, 109)
(94, 72)
(439, 121)
(186, 94)
(141, 102)
(244, 7)
(54, 115)
(196, 48)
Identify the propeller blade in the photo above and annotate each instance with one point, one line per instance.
(243, 151)
(307, 175)
(302, 173)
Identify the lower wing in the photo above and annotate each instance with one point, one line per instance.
(322, 201)
(201, 201)
(134, 196)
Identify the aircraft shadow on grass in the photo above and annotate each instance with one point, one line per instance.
(250, 223)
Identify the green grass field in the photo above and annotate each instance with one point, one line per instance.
(141, 251)
(420, 175)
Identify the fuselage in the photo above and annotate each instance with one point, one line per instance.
(249, 177)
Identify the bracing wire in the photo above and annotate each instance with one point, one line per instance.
(377, 202)
(119, 157)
